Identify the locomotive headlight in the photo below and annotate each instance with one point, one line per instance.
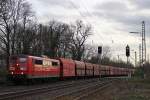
(12, 73)
(21, 73)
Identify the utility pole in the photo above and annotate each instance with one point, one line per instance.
(143, 44)
(140, 55)
(142, 47)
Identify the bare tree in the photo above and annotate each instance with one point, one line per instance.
(29, 26)
(65, 41)
(11, 16)
(51, 40)
(106, 52)
(6, 26)
(90, 51)
(80, 34)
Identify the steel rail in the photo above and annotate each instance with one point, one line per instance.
(11, 95)
(81, 92)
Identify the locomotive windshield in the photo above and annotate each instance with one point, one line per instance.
(18, 63)
(22, 60)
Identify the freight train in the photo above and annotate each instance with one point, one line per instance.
(32, 67)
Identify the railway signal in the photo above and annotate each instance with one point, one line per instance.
(127, 51)
(99, 53)
(99, 49)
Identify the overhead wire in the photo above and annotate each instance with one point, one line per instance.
(83, 15)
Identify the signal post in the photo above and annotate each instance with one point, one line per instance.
(127, 53)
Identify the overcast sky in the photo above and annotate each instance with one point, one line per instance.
(112, 20)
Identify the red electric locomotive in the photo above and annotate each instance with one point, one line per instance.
(29, 67)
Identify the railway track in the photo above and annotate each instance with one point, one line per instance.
(12, 87)
(47, 89)
(83, 91)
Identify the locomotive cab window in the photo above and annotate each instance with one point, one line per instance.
(38, 62)
(22, 60)
(54, 63)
